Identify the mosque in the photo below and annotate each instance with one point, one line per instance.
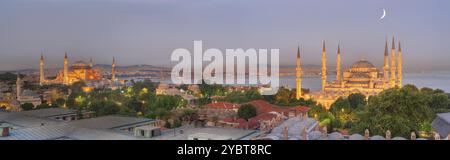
(79, 71)
(362, 77)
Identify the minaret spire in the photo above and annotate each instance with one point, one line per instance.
(91, 64)
(18, 87)
(386, 65)
(324, 66)
(400, 66)
(393, 64)
(66, 70)
(41, 70)
(338, 64)
(113, 70)
(298, 75)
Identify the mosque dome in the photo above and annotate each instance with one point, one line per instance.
(360, 75)
(79, 63)
(362, 64)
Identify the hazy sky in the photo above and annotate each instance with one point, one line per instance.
(147, 31)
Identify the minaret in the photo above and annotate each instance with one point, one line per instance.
(66, 70)
(393, 64)
(41, 70)
(298, 74)
(386, 66)
(324, 66)
(91, 63)
(338, 65)
(18, 86)
(400, 67)
(113, 70)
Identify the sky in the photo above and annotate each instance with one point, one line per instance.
(147, 31)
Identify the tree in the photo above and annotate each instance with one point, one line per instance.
(342, 111)
(439, 102)
(315, 111)
(283, 96)
(356, 100)
(27, 106)
(102, 107)
(44, 106)
(60, 101)
(247, 111)
(399, 110)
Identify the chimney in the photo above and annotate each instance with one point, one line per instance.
(413, 136)
(437, 136)
(325, 133)
(5, 131)
(286, 133)
(304, 134)
(366, 134)
(388, 135)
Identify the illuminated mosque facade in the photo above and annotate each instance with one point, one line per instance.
(362, 77)
(79, 71)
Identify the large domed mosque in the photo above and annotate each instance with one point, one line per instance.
(362, 77)
(78, 71)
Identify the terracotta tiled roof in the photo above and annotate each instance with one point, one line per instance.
(264, 107)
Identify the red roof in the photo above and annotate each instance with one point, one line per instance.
(264, 107)
(228, 120)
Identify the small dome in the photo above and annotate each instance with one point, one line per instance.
(356, 137)
(377, 137)
(362, 64)
(80, 63)
(398, 138)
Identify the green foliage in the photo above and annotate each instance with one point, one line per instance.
(60, 101)
(315, 111)
(246, 111)
(45, 105)
(439, 101)
(243, 96)
(209, 90)
(8, 77)
(27, 106)
(286, 97)
(398, 110)
(136, 100)
(203, 101)
(77, 87)
(356, 100)
(102, 108)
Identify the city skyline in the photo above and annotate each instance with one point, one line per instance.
(146, 32)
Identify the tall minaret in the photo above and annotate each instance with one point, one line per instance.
(41, 70)
(393, 64)
(113, 70)
(386, 66)
(91, 64)
(338, 65)
(66, 70)
(298, 74)
(324, 66)
(18, 86)
(400, 67)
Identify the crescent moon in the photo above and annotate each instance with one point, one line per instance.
(384, 14)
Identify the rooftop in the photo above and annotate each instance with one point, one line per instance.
(362, 64)
(48, 112)
(109, 122)
(230, 133)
